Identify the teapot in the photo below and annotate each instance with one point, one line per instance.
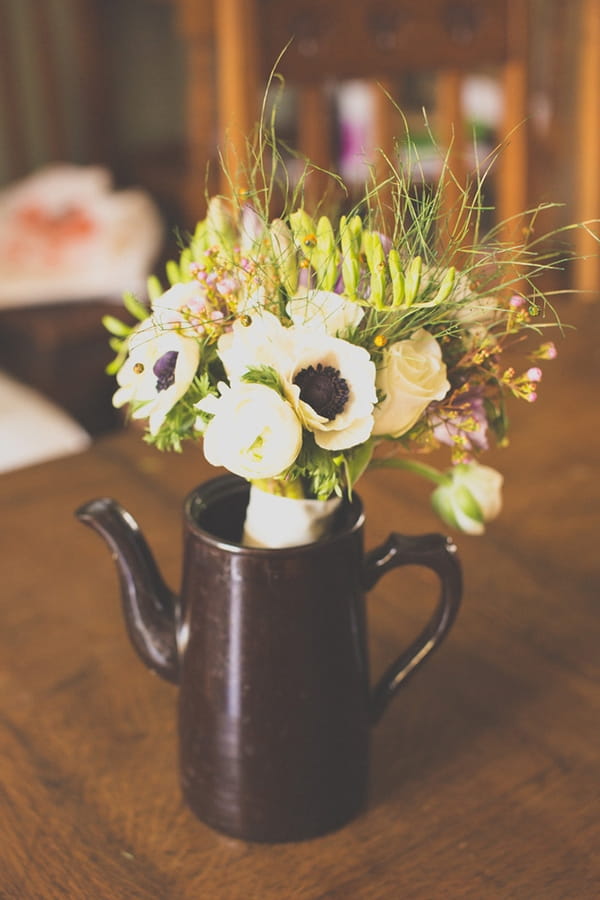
(269, 650)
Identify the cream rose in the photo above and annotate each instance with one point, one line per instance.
(412, 375)
(254, 432)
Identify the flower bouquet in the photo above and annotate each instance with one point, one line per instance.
(303, 349)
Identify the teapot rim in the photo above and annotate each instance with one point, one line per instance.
(234, 484)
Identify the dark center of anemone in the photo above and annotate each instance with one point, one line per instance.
(323, 388)
(164, 369)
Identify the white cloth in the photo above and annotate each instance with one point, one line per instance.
(66, 235)
(274, 521)
(32, 429)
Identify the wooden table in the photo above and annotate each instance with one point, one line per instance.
(485, 771)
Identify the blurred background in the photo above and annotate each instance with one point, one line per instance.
(113, 114)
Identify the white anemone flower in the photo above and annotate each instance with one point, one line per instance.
(331, 384)
(325, 311)
(254, 432)
(166, 309)
(158, 371)
(329, 381)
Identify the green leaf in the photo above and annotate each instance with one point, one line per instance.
(265, 375)
(357, 460)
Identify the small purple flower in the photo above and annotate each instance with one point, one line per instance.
(462, 424)
(228, 284)
(306, 279)
(534, 374)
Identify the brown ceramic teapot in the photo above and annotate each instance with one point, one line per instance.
(268, 648)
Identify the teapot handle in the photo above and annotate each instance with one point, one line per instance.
(436, 552)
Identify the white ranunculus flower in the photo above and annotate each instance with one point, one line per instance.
(473, 497)
(412, 375)
(326, 311)
(254, 432)
(262, 343)
(331, 384)
(158, 371)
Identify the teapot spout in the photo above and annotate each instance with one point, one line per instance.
(149, 607)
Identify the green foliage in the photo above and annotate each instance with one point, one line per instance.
(325, 474)
(118, 342)
(180, 423)
(356, 461)
(265, 375)
(316, 469)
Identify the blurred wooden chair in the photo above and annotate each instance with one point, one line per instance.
(236, 42)
(587, 148)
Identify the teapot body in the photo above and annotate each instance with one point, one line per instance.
(274, 690)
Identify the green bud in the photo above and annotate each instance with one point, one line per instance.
(469, 498)
(350, 240)
(397, 277)
(304, 231)
(173, 274)
(185, 262)
(134, 307)
(115, 326)
(284, 253)
(154, 288)
(220, 228)
(446, 286)
(412, 280)
(325, 256)
(377, 267)
(199, 242)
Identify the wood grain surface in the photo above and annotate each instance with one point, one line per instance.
(485, 770)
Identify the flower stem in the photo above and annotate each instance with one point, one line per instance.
(411, 466)
(281, 487)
